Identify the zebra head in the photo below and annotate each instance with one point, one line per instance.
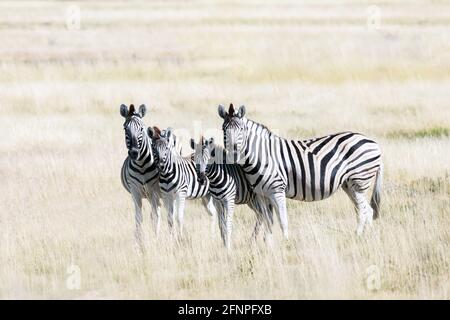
(234, 131)
(135, 130)
(204, 152)
(164, 148)
(154, 134)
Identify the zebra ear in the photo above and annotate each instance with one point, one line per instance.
(169, 136)
(168, 132)
(192, 144)
(241, 112)
(173, 141)
(123, 110)
(222, 112)
(231, 110)
(142, 110)
(151, 133)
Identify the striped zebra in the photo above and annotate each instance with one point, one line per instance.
(178, 179)
(307, 170)
(139, 170)
(228, 185)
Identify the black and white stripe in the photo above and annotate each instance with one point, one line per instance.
(139, 170)
(178, 179)
(227, 184)
(307, 170)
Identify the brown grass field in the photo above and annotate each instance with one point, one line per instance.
(303, 69)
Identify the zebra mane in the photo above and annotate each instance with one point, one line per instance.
(131, 111)
(134, 118)
(264, 127)
(157, 132)
(231, 110)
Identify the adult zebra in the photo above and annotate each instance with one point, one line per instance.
(139, 170)
(307, 170)
(178, 179)
(228, 185)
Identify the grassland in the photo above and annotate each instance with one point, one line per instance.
(303, 69)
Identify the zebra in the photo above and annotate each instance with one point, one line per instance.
(178, 178)
(228, 185)
(308, 170)
(139, 171)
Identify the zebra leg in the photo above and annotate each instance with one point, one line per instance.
(267, 209)
(169, 204)
(257, 206)
(221, 220)
(229, 211)
(155, 203)
(257, 227)
(264, 215)
(137, 199)
(211, 206)
(180, 204)
(279, 201)
(219, 208)
(365, 211)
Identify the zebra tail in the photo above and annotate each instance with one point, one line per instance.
(376, 196)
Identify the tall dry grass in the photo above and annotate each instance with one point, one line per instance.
(303, 69)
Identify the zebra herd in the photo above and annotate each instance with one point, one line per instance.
(255, 167)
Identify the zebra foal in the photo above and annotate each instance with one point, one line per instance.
(228, 186)
(178, 179)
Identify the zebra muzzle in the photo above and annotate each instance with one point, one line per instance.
(133, 153)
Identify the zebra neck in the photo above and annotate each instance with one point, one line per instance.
(213, 167)
(169, 166)
(215, 172)
(220, 157)
(177, 159)
(260, 143)
(262, 130)
(216, 163)
(145, 158)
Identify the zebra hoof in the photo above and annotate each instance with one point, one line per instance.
(359, 231)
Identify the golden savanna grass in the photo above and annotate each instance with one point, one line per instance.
(302, 68)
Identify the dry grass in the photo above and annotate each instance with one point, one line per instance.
(302, 69)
